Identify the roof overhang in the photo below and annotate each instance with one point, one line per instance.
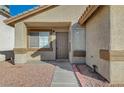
(13, 20)
(47, 25)
(87, 13)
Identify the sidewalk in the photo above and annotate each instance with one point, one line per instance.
(64, 76)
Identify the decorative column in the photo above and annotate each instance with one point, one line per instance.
(20, 49)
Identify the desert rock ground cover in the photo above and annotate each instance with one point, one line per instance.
(92, 79)
(26, 75)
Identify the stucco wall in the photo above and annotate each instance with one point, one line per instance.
(77, 42)
(20, 41)
(69, 13)
(20, 35)
(117, 27)
(6, 40)
(97, 37)
(117, 42)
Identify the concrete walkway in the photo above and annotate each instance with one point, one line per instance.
(64, 76)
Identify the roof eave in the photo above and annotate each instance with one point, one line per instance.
(87, 13)
(11, 21)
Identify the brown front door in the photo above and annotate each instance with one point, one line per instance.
(62, 45)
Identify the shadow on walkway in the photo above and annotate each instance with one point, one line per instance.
(63, 65)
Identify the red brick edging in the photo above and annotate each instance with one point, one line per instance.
(78, 74)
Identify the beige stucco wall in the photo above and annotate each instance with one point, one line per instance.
(67, 13)
(20, 41)
(117, 42)
(97, 37)
(20, 35)
(6, 40)
(62, 13)
(77, 42)
(117, 27)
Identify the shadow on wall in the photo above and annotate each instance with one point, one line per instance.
(39, 52)
(61, 64)
(46, 49)
(7, 56)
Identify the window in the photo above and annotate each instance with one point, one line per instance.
(39, 40)
(44, 40)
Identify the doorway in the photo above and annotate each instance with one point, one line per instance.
(62, 45)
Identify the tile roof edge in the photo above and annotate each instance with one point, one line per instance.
(87, 13)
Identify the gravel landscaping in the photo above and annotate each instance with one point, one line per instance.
(88, 78)
(26, 75)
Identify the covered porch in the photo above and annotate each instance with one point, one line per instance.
(41, 41)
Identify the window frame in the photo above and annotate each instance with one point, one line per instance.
(39, 49)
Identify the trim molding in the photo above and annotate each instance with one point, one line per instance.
(79, 53)
(39, 30)
(40, 49)
(117, 55)
(112, 55)
(20, 50)
(25, 50)
(104, 54)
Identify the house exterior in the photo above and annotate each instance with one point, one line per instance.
(6, 35)
(63, 32)
(104, 40)
(45, 33)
